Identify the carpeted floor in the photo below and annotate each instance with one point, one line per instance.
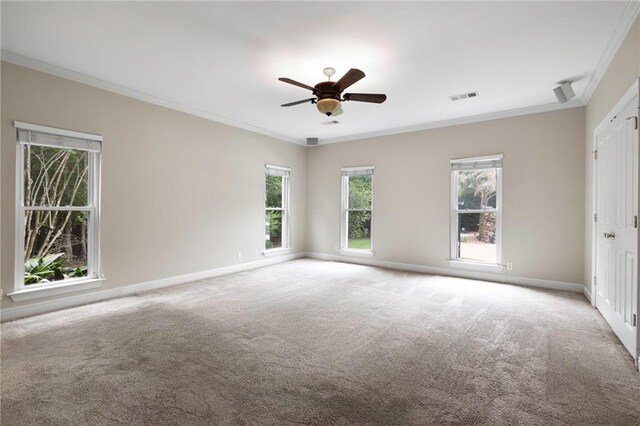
(312, 342)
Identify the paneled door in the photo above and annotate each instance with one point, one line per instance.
(616, 224)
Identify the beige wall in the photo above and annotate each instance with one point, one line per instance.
(180, 194)
(543, 194)
(620, 75)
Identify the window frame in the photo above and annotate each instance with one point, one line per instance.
(94, 275)
(285, 209)
(344, 214)
(454, 259)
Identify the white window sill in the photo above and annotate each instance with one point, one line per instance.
(276, 251)
(40, 291)
(357, 253)
(476, 266)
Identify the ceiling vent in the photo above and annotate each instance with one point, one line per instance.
(329, 123)
(463, 96)
(312, 141)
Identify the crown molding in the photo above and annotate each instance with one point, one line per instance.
(575, 103)
(628, 18)
(626, 21)
(27, 62)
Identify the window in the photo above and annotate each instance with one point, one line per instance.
(476, 209)
(357, 209)
(276, 234)
(58, 206)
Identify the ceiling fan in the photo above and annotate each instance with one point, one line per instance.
(328, 94)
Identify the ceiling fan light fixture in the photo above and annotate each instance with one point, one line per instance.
(328, 106)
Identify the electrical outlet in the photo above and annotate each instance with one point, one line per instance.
(239, 255)
(509, 266)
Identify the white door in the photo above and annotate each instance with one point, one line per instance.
(616, 224)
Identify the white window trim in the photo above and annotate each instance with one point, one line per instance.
(344, 214)
(56, 288)
(357, 168)
(274, 167)
(286, 214)
(475, 266)
(94, 276)
(53, 131)
(476, 159)
(357, 252)
(276, 251)
(454, 260)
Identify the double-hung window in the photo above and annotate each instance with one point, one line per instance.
(476, 210)
(58, 196)
(357, 209)
(276, 207)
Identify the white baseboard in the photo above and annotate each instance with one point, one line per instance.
(486, 276)
(35, 308)
(587, 293)
(21, 311)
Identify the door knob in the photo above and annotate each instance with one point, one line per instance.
(609, 235)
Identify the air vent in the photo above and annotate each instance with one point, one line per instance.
(329, 123)
(463, 96)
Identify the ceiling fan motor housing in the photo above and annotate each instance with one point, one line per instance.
(328, 97)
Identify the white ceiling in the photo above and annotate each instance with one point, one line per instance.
(222, 60)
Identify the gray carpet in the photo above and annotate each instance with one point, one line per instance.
(312, 342)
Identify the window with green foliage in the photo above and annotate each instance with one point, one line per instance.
(476, 215)
(58, 207)
(276, 208)
(357, 208)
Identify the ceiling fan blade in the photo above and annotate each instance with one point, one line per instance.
(298, 102)
(338, 112)
(352, 76)
(365, 97)
(296, 83)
